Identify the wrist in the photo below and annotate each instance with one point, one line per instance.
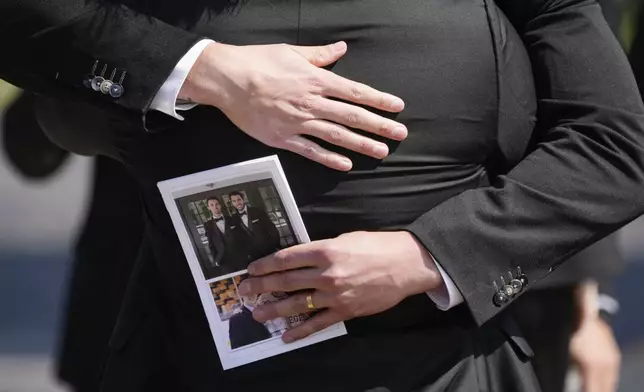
(423, 273)
(204, 83)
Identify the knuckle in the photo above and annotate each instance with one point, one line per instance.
(275, 139)
(316, 82)
(317, 324)
(309, 151)
(385, 129)
(322, 54)
(328, 252)
(383, 101)
(299, 301)
(327, 281)
(335, 136)
(356, 91)
(366, 147)
(343, 306)
(351, 118)
(306, 103)
(283, 281)
(283, 260)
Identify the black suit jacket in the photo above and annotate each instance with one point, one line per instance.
(225, 247)
(244, 330)
(260, 236)
(482, 186)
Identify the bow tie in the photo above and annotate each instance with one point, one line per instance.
(219, 219)
(243, 213)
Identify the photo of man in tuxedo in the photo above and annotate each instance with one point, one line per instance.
(260, 236)
(223, 233)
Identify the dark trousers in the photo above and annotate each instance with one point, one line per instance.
(105, 253)
(547, 319)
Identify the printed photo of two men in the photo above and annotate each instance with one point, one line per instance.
(231, 227)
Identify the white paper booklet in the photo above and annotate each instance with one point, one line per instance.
(225, 218)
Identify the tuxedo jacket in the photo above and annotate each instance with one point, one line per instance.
(260, 236)
(497, 172)
(225, 247)
(244, 330)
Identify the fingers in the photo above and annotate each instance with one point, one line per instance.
(314, 152)
(343, 137)
(321, 320)
(321, 56)
(348, 90)
(360, 118)
(306, 278)
(294, 304)
(298, 256)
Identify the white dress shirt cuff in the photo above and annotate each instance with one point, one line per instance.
(166, 99)
(446, 296)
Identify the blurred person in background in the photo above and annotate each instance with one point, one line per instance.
(566, 320)
(477, 251)
(108, 241)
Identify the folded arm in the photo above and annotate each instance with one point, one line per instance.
(583, 177)
(53, 46)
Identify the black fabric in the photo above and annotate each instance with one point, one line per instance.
(262, 237)
(30, 152)
(226, 248)
(550, 206)
(51, 46)
(104, 256)
(602, 261)
(547, 319)
(244, 330)
(466, 79)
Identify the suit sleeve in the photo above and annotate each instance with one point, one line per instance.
(270, 228)
(583, 177)
(211, 242)
(51, 47)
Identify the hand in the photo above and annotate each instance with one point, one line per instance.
(594, 350)
(353, 275)
(277, 93)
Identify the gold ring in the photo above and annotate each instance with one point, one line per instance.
(309, 301)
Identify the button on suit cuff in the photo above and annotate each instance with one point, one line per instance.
(166, 98)
(446, 296)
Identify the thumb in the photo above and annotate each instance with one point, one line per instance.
(321, 56)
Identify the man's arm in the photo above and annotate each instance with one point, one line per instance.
(593, 347)
(52, 47)
(217, 255)
(269, 226)
(582, 180)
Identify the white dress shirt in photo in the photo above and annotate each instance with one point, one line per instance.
(244, 215)
(220, 222)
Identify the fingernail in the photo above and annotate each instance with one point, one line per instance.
(345, 164)
(397, 104)
(381, 150)
(400, 132)
(243, 289)
(339, 47)
(251, 269)
(288, 339)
